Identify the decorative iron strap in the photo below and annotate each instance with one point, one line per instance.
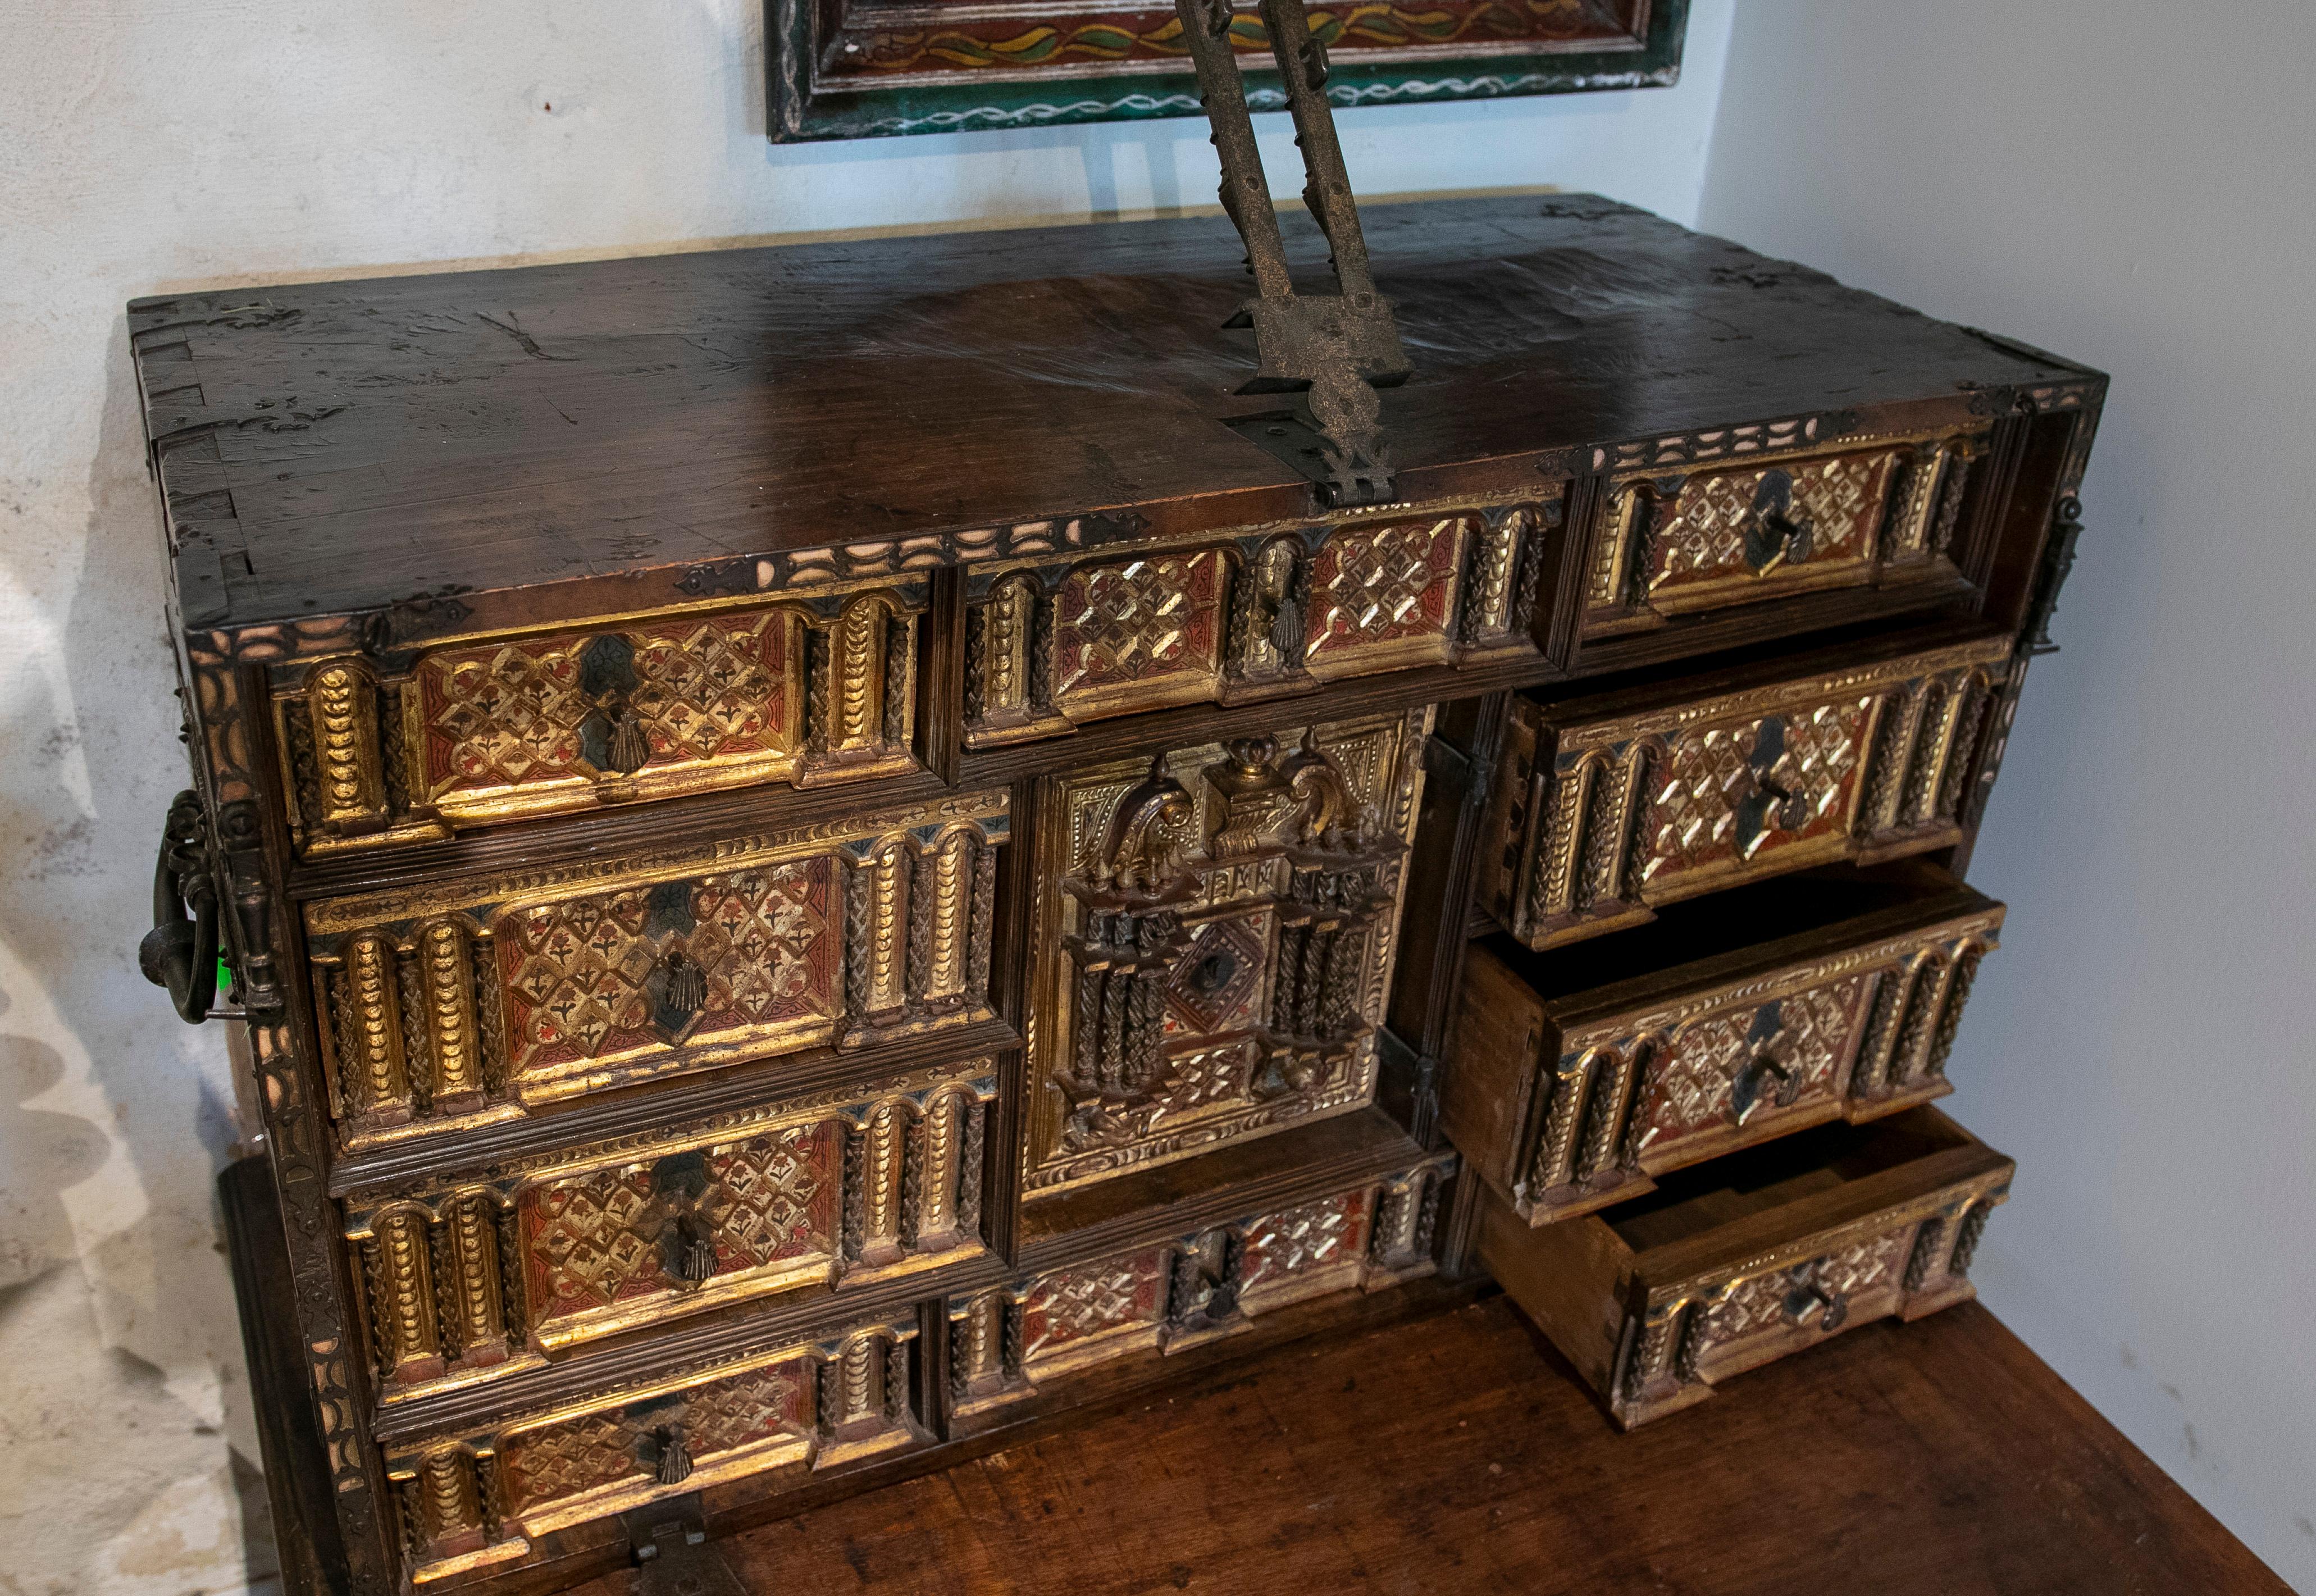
(1338, 347)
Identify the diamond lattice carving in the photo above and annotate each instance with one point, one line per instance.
(771, 1196)
(1692, 1081)
(586, 1242)
(1693, 813)
(1381, 585)
(509, 714)
(563, 1460)
(1136, 621)
(1838, 500)
(575, 972)
(1759, 1304)
(1070, 1305)
(1300, 1241)
(742, 1410)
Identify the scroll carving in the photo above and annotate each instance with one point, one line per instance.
(1619, 816)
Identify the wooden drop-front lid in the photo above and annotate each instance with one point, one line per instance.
(565, 440)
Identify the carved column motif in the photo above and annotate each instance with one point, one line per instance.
(374, 1072)
(882, 1137)
(976, 1356)
(450, 1506)
(472, 1221)
(1009, 643)
(944, 1128)
(1649, 1372)
(342, 709)
(1555, 1163)
(947, 909)
(1267, 603)
(446, 977)
(402, 1295)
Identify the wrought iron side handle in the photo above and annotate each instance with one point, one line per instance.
(181, 952)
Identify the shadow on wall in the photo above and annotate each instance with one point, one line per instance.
(133, 1445)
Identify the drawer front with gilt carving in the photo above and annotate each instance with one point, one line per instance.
(1190, 1289)
(509, 727)
(1053, 647)
(1880, 512)
(477, 1500)
(1744, 1260)
(1215, 942)
(1609, 808)
(454, 1004)
(1569, 1104)
(472, 1279)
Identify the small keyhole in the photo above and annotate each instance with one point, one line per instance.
(1213, 973)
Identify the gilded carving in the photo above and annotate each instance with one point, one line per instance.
(1864, 1030)
(1139, 634)
(1383, 597)
(491, 1004)
(815, 1404)
(1695, 1331)
(349, 782)
(1647, 808)
(532, 724)
(473, 1282)
(1215, 959)
(1669, 544)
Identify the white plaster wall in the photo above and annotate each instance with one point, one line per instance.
(2128, 183)
(159, 145)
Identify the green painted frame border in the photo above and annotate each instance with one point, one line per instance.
(801, 112)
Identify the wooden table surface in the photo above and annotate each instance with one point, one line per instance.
(1456, 1453)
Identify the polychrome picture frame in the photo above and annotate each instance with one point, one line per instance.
(870, 69)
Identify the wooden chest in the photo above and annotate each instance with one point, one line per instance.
(824, 849)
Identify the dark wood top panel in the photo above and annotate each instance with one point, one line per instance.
(490, 430)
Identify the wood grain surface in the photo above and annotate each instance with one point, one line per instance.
(1457, 1455)
(482, 430)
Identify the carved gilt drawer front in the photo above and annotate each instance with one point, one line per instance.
(466, 1280)
(1881, 511)
(1742, 1261)
(509, 727)
(1569, 1104)
(441, 1006)
(1189, 1289)
(1606, 808)
(1215, 942)
(479, 1500)
(1052, 646)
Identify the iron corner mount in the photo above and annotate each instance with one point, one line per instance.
(1337, 349)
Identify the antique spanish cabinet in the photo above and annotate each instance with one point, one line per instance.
(824, 851)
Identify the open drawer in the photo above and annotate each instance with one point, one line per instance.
(1739, 1261)
(1575, 1078)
